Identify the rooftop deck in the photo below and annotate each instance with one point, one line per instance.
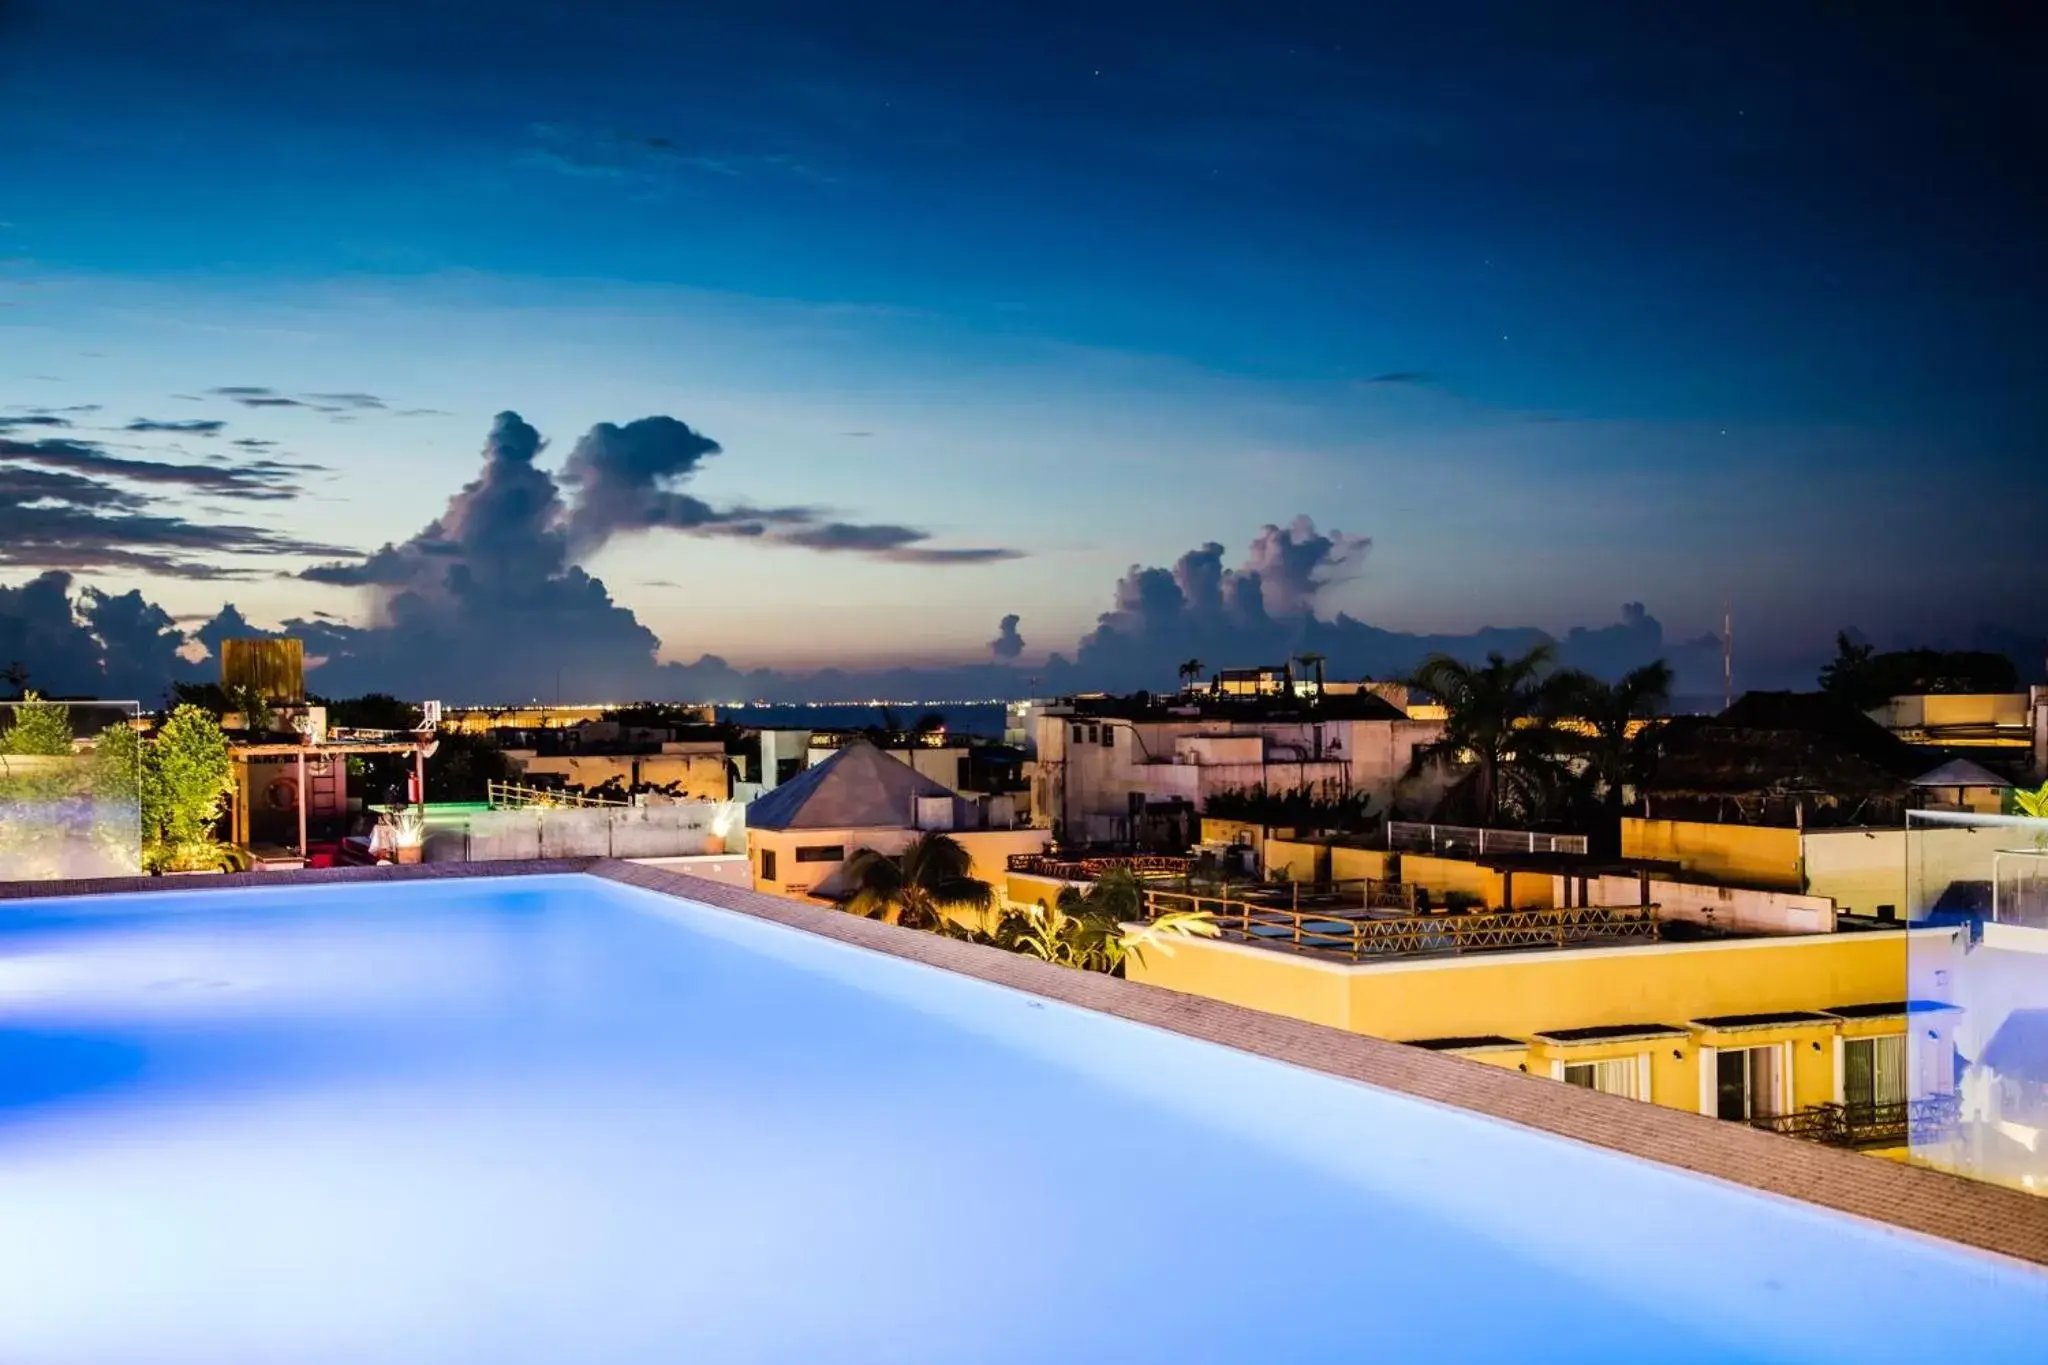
(1368, 921)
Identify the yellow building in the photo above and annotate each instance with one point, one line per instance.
(1863, 870)
(1809, 1034)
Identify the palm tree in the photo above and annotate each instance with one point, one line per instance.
(1310, 659)
(1190, 671)
(915, 886)
(1607, 712)
(1498, 718)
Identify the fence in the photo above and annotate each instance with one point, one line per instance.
(1364, 930)
(1085, 869)
(1930, 1118)
(512, 796)
(1469, 839)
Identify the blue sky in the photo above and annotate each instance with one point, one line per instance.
(1561, 311)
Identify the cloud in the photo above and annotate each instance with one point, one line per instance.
(1403, 377)
(264, 481)
(251, 443)
(625, 478)
(1008, 644)
(420, 412)
(243, 391)
(34, 419)
(347, 400)
(194, 427)
(650, 161)
(896, 544)
(88, 643)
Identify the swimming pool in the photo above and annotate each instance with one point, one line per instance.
(555, 1119)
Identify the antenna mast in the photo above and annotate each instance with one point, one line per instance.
(1727, 656)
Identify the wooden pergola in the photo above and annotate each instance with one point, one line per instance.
(417, 746)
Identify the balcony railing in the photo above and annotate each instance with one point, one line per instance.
(1892, 1124)
(1086, 869)
(1377, 922)
(1462, 840)
(513, 796)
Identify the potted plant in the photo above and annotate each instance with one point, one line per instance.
(409, 833)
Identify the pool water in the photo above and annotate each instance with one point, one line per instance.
(556, 1120)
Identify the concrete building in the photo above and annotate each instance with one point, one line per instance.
(801, 835)
(1838, 1037)
(696, 770)
(1107, 765)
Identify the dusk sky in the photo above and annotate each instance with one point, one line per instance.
(1562, 306)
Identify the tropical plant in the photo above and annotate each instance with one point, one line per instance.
(1498, 717)
(1160, 932)
(186, 778)
(1608, 719)
(16, 678)
(2033, 805)
(915, 887)
(1864, 678)
(1306, 807)
(1191, 672)
(41, 729)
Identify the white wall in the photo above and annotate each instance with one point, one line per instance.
(1089, 785)
(560, 832)
(1725, 907)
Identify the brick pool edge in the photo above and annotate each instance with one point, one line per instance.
(1909, 1199)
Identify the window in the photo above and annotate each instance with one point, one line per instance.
(1746, 1081)
(1108, 736)
(767, 864)
(821, 853)
(1080, 734)
(1616, 1077)
(1874, 1071)
(1094, 734)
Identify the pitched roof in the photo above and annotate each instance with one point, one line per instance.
(860, 787)
(1960, 772)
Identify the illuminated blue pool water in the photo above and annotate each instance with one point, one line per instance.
(559, 1120)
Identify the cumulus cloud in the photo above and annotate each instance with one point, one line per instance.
(502, 563)
(1008, 644)
(626, 478)
(88, 643)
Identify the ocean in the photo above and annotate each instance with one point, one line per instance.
(972, 718)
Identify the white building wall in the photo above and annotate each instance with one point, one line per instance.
(1088, 783)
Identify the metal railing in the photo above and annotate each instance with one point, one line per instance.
(1894, 1123)
(1379, 923)
(1406, 837)
(513, 796)
(1085, 869)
